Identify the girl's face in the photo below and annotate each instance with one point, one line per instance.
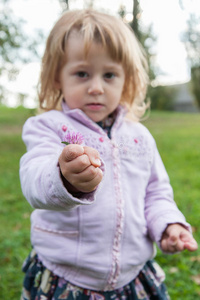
(93, 84)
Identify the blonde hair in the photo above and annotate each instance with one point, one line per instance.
(117, 38)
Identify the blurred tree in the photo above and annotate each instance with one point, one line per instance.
(89, 3)
(15, 45)
(161, 97)
(64, 4)
(135, 24)
(145, 35)
(191, 39)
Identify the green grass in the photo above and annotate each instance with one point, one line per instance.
(14, 210)
(177, 136)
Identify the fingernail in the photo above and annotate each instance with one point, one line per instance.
(97, 161)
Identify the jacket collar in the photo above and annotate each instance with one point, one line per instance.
(81, 117)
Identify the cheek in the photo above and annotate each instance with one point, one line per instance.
(115, 100)
(73, 98)
(119, 88)
(119, 91)
(70, 92)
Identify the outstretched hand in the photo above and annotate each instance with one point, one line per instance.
(177, 238)
(80, 168)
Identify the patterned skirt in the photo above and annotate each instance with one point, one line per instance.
(42, 284)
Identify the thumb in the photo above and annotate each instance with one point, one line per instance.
(72, 151)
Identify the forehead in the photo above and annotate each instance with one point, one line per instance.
(77, 38)
(87, 42)
(96, 54)
(80, 48)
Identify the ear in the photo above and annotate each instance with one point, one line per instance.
(57, 84)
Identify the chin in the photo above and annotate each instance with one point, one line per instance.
(96, 118)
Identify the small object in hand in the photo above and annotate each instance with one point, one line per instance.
(73, 138)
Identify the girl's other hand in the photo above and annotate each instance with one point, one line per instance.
(177, 238)
(80, 168)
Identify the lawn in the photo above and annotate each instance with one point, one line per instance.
(177, 136)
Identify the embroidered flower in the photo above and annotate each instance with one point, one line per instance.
(101, 139)
(73, 138)
(64, 128)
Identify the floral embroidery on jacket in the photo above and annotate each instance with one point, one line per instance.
(72, 137)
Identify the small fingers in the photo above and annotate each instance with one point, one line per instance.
(175, 244)
(191, 246)
(164, 245)
(93, 155)
(171, 241)
(89, 173)
(72, 160)
(88, 180)
(172, 246)
(177, 238)
(189, 242)
(70, 152)
(78, 165)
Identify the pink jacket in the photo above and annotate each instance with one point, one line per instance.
(101, 240)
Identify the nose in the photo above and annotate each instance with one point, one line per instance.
(96, 86)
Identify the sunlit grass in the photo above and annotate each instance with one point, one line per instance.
(177, 137)
(14, 210)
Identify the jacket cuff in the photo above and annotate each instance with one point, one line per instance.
(56, 193)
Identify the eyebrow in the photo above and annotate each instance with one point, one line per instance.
(114, 66)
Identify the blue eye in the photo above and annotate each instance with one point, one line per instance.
(109, 75)
(82, 74)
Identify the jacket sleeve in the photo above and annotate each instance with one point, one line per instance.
(160, 208)
(40, 177)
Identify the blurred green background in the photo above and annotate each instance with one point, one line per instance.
(23, 32)
(177, 137)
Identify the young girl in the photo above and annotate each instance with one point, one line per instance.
(102, 199)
